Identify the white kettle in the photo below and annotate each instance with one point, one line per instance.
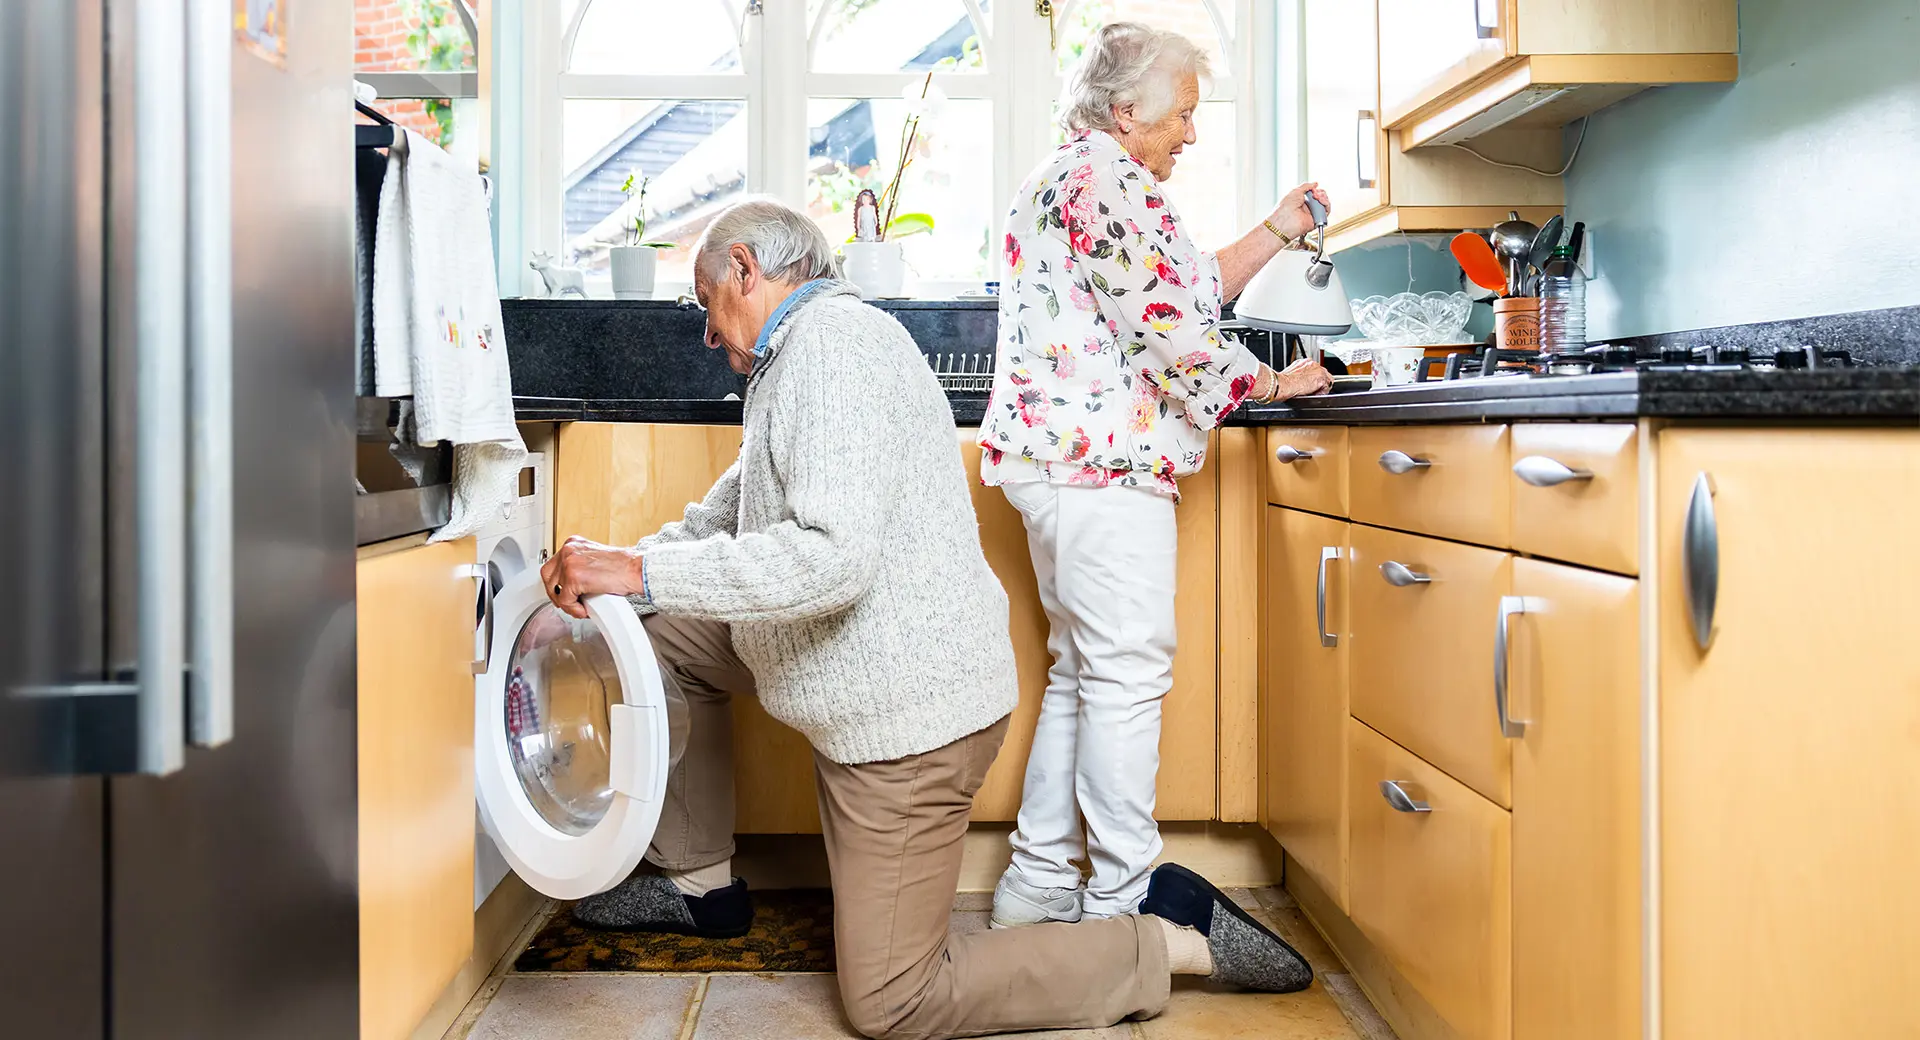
(1298, 292)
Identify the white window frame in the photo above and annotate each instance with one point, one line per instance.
(776, 82)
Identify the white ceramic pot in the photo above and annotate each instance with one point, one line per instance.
(1396, 366)
(878, 268)
(633, 268)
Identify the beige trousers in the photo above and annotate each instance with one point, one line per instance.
(894, 833)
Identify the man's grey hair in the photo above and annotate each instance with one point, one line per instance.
(788, 244)
(1128, 64)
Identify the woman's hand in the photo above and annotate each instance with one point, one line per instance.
(1303, 378)
(585, 568)
(1292, 216)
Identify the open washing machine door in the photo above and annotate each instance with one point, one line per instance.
(571, 741)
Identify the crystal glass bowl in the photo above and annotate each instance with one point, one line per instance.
(1407, 319)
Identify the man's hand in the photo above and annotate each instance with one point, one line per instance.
(585, 568)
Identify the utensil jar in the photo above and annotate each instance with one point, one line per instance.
(1516, 323)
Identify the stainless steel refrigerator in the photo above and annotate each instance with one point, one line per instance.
(177, 817)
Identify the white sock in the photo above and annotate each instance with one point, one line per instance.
(1187, 950)
(701, 880)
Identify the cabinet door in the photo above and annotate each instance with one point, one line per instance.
(1422, 617)
(1306, 692)
(1344, 137)
(1574, 678)
(1428, 882)
(1189, 764)
(1428, 47)
(416, 778)
(1790, 816)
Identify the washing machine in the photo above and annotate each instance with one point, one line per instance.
(573, 731)
(510, 543)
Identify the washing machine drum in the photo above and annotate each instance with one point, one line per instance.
(571, 740)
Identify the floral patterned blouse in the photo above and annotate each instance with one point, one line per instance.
(1111, 368)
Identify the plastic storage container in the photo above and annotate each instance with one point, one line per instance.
(1563, 305)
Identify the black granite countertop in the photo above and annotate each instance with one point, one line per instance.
(1887, 395)
(1883, 395)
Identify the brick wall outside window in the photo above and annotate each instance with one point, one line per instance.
(380, 45)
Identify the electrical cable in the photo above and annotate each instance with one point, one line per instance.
(1582, 139)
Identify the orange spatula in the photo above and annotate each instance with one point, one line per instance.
(1477, 259)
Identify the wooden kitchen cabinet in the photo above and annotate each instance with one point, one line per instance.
(1451, 70)
(618, 482)
(1429, 883)
(1343, 129)
(1789, 815)
(1188, 735)
(1573, 673)
(1304, 695)
(415, 726)
(1375, 188)
(1422, 651)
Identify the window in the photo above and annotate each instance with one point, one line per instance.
(422, 58)
(813, 100)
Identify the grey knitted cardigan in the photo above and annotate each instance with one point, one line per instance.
(842, 546)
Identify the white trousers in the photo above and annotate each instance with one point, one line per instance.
(1104, 558)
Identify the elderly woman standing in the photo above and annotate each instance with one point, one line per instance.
(1111, 372)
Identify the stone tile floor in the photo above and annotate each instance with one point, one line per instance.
(608, 1006)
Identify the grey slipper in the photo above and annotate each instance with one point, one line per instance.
(650, 903)
(1245, 952)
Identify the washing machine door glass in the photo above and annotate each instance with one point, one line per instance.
(571, 745)
(561, 681)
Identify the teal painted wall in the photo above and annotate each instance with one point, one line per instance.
(1406, 263)
(1791, 193)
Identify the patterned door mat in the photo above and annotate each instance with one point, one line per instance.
(792, 931)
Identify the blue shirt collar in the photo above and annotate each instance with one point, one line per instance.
(793, 300)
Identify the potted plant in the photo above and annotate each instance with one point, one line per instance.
(635, 262)
(872, 258)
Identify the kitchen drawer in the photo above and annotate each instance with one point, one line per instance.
(1421, 664)
(1576, 493)
(1307, 468)
(1430, 882)
(1451, 481)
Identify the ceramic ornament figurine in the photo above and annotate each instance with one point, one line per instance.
(866, 217)
(561, 281)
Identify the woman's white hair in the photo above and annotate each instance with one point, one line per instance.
(789, 246)
(1128, 64)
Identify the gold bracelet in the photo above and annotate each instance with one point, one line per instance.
(1284, 240)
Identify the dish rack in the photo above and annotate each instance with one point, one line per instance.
(970, 373)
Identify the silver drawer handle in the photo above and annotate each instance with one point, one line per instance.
(1700, 560)
(1327, 552)
(1540, 471)
(1400, 575)
(1399, 462)
(1401, 801)
(1509, 606)
(1290, 454)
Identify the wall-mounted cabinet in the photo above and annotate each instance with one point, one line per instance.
(1382, 78)
(1451, 70)
(1377, 188)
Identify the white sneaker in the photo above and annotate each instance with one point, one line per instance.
(1017, 903)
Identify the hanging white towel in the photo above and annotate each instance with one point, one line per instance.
(436, 324)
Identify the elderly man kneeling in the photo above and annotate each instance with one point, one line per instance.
(835, 571)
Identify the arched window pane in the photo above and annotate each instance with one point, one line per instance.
(1189, 18)
(894, 36)
(410, 36)
(695, 153)
(854, 145)
(655, 37)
